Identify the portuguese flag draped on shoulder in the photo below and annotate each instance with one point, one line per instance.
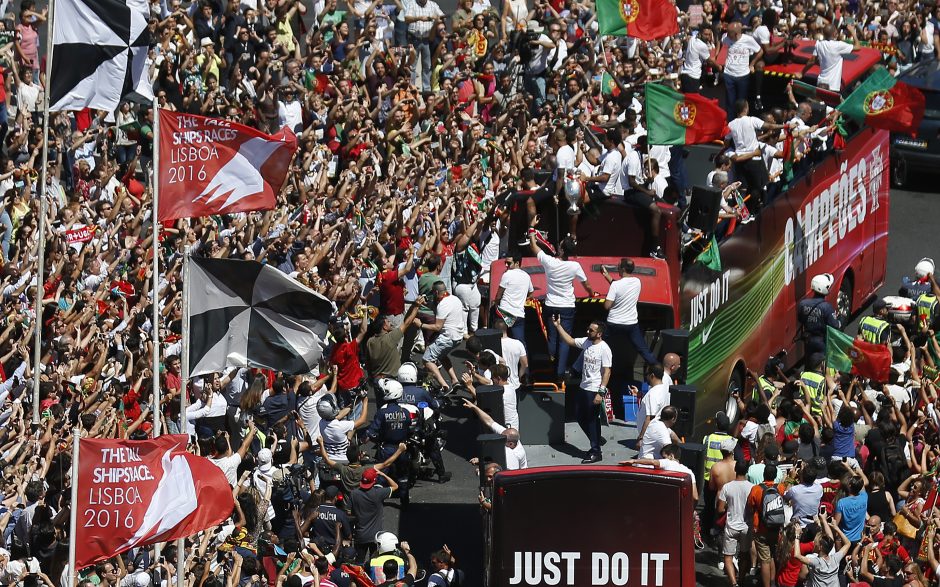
(851, 355)
(643, 19)
(884, 102)
(673, 118)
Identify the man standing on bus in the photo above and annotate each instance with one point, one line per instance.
(622, 316)
(594, 378)
(875, 328)
(748, 157)
(560, 274)
(815, 313)
(828, 53)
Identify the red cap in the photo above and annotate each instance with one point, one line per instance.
(369, 477)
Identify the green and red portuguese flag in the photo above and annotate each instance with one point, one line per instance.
(673, 118)
(643, 19)
(851, 355)
(884, 102)
(609, 85)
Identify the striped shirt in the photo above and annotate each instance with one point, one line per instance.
(422, 28)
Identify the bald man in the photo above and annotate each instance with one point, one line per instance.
(672, 363)
(743, 53)
(828, 53)
(515, 452)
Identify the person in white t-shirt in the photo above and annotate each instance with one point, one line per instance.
(514, 355)
(560, 274)
(659, 434)
(335, 432)
(656, 398)
(697, 53)
(594, 379)
(671, 453)
(515, 452)
(742, 54)
(748, 158)
(451, 326)
(515, 285)
(607, 180)
(228, 461)
(499, 375)
(829, 55)
(622, 315)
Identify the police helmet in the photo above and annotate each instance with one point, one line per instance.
(408, 373)
(821, 283)
(391, 389)
(924, 267)
(386, 542)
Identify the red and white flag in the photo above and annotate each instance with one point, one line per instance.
(213, 166)
(138, 492)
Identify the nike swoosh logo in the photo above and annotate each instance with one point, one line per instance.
(707, 331)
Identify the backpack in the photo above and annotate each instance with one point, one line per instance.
(771, 508)
(894, 464)
(457, 581)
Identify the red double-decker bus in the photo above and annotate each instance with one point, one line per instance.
(833, 219)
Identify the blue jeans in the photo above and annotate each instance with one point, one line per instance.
(423, 47)
(535, 85)
(619, 334)
(557, 347)
(735, 89)
(6, 236)
(517, 330)
(589, 419)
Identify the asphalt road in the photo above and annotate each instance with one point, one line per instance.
(449, 513)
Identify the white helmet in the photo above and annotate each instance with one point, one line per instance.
(327, 408)
(408, 373)
(391, 389)
(821, 283)
(924, 267)
(386, 542)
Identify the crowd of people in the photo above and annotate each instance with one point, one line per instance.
(419, 131)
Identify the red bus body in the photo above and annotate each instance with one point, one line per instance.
(591, 526)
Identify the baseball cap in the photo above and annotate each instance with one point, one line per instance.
(728, 445)
(332, 491)
(264, 456)
(369, 477)
(879, 305)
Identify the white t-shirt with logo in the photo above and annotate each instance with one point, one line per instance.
(517, 285)
(559, 278)
(596, 357)
(450, 309)
(829, 54)
(738, 62)
(624, 293)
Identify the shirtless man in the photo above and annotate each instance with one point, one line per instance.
(721, 472)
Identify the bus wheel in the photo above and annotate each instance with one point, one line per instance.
(899, 173)
(844, 301)
(735, 389)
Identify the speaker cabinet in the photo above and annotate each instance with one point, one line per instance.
(490, 400)
(675, 340)
(682, 397)
(491, 449)
(693, 457)
(703, 209)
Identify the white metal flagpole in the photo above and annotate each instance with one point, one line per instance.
(73, 508)
(184, 401)
(155, 282)
(43, 178)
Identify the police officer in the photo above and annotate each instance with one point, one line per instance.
(928, 305)
(814, 383)
(815, 313)
(391, 426)
(416, 395)
(712, 442)
(875, 328)
(771, 381)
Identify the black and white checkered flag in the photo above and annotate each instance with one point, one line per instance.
(245, 314)
(99, 53)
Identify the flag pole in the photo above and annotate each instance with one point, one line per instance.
(73, 507)
(155, 282)
(184, 401)
(43, 178)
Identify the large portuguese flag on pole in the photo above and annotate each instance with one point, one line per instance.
(851, 355)
(644, 19)
(673, 118)
(884, 102)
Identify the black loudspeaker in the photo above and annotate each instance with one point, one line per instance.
(675, 340)
(490, 400)
(703, 209)
(693, 457)
(542, 416)
(682, 397)
(490, 337)
(492, 449)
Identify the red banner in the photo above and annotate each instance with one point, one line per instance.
(213, 166)
(80, 235)
(133, 493)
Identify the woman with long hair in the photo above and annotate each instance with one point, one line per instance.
(788, 567)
